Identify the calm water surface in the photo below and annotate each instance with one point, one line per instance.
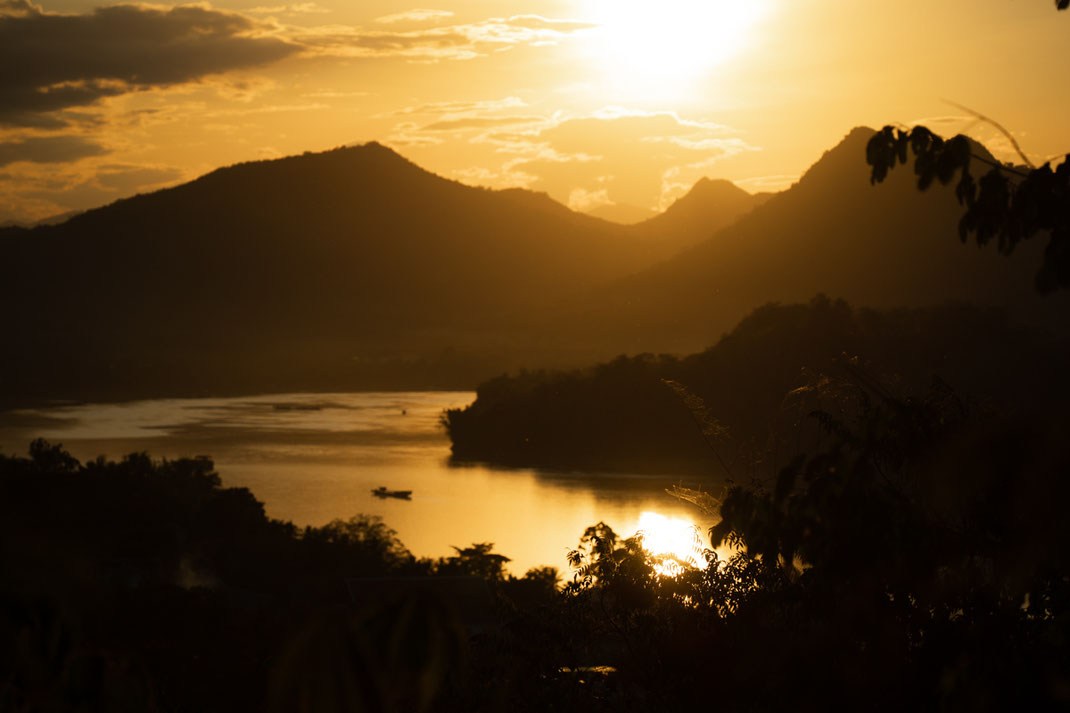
(313, 458)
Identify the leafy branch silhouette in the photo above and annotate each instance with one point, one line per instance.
(1006, 204)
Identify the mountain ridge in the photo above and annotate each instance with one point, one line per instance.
(299, 261)
(298, 273)
(878, 246)
(709, 206)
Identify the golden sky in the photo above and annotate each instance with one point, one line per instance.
(592, 101)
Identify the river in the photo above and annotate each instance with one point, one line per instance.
(313, 458)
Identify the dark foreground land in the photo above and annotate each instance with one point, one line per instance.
(916, 560)
(901, 539)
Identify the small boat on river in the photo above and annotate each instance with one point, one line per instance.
(382, 492)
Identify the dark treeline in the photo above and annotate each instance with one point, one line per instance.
(141, 585)
(916, 561)
(623, 415)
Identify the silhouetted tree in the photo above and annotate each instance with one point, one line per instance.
(477, 561)
(1009, 204)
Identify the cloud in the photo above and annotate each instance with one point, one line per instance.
(773, 183)
(538, 23)
(455, 42)
(612, 155)
(335, 95)
(461, 107)
(67, 61)
(30, 192)
(481, 122)
(414, 16)
(17, 8)
(407, 135)
(583, 200)
(576, 158)
(71, 61)
(49, 149)
(128, 178)
(304, 8)
(460, 117)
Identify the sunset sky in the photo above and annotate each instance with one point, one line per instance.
(592, 101)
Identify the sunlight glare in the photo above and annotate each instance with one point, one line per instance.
(676, 539)
(665, 46)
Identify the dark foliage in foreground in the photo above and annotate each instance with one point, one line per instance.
(621, 415)
(141, 585)
(1007, 204)
(914, 561)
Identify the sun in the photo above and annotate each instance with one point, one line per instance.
(662, 47)
(676, 540)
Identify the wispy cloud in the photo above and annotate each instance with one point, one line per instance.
(461, 107)
(481, 122)
(592, 159)
(774, 182)
(33, 191)
(582, 199)
(304, 8)
(416, 15)
(456, 42)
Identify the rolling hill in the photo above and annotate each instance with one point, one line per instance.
(279, 274)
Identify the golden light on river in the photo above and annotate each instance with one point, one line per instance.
(676, 540)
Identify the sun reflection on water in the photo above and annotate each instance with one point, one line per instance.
(676, 541)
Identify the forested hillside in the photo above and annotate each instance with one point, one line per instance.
(758, 383)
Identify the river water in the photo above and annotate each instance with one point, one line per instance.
(313, 458)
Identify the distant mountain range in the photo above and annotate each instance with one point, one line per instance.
(708, 207)
(287, 271)
(880, 246)
(355, 268)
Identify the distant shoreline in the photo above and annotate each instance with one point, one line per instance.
(29, 404)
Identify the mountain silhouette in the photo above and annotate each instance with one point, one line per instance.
(355, 268)
(880, 246)
(708, 207)
(271, 273)
(290, 264)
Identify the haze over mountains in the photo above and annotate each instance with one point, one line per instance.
(880, 246)
(708, 207)
(622, 213)
(355, 268)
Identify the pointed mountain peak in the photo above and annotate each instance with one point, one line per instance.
(342, 162)
(374, 148)
(705, 196)
(853, 144)
(713, 189)
(708, 207)
(859, 134)
(846, 159)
